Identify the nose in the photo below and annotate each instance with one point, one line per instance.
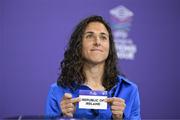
(97, 41)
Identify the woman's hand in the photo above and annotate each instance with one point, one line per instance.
(117, 107)
(68, 104)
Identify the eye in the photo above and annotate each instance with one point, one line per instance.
(88, 36)
(103, 37)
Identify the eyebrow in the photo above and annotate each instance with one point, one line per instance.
(102, 33)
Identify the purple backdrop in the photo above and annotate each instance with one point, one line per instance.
(34, 33)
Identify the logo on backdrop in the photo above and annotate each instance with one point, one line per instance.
(121, 19)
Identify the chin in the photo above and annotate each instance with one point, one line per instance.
(97, 61)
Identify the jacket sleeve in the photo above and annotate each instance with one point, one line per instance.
(135, 111)
(52, 104)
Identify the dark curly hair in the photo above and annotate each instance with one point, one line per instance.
(71, 67)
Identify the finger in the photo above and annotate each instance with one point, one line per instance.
(67, 111)
(124, 105)
(117, 103)
(68, 114)
(121, 106)
(67, 101)
(118, 116)
(67, 96)
(70, 105)
(115, 112)
(108, 100)
(118, 99)
(64, 103)
(70, 110)
(75, 100)
(116, 108)
(111, 100)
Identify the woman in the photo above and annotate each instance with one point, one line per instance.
(90, 64)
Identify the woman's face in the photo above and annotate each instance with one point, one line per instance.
(95, 43)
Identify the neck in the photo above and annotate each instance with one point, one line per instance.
(94, 76)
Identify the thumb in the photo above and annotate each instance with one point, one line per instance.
(76, 100)
(108, 100)
(67, 96)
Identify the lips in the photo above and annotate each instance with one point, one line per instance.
(99, 50)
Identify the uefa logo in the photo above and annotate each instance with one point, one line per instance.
(121, 19)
